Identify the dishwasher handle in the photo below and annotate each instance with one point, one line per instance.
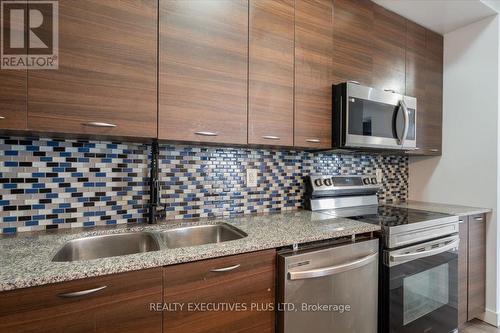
(332, 270)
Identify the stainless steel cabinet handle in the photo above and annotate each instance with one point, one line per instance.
(225, 269)
(331, 270)
(390, 90)
(271, 137)
(355, 82)
(82, 292)
(99, 124)
(479, 218)
(2, 117)
(423, 254)
(204, 133)
(434, 150)
(460, 221)
(313, 140)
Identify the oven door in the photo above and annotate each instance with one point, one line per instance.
(379, 119)
(420, 288)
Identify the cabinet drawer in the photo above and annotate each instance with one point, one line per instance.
(239, 280)
(20, 307)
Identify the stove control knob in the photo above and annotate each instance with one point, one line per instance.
(374, 181)
(366, 181)
(318, 182)
(328, 182)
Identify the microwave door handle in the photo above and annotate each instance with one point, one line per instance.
(331, 270)
(423, 254)
(406, 115)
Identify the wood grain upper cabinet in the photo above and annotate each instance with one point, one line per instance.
(424, 80)
(432, 119)
(106, 81)
(117, 303)
(203, 70)
(353, 41)
(271, 61)
(13, 91)
(389, 50)
(313, 73)
(236, 281)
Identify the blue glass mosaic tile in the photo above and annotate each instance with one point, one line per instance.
(47, 183)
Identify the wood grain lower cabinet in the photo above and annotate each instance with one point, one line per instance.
(476, 245)
(313, 73)
(203, 71)
(239, 280)
(471, 268)
(123, 306)
(106, 81)
(271, 61)
(463, 265)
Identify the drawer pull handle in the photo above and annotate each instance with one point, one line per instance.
(480, 218)
(225, 269)
(99, 124)
(460, 221)
(271, 137)
(355, 82)
(204, 133)
(82, 292)
(2, 117)
(390, 90)
(313, 140)
(434, 150)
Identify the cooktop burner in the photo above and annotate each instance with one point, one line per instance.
(390, 216)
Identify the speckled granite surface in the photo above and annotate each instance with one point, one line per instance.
(25, 259)
(443, 208)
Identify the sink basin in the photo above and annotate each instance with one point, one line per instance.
(200, 234)
(88, 248)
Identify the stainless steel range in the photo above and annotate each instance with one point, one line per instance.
(419, 253)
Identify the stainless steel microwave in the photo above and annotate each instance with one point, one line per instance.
(365, 117)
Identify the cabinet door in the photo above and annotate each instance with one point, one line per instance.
(106, 81)
(477, 266)
(389, 50)
(13, 92)
(203, 70)
(432, 118)
(462, 270)
(122, 304)
(353, 41)
(313, 73)
(240, 280)
(416, 73)
(271, 59)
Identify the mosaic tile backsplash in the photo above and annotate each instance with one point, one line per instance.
(47, 183)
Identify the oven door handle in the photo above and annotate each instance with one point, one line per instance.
(423, 254)
(331, 270)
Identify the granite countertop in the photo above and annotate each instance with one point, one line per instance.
(25, 258)
(443, 208)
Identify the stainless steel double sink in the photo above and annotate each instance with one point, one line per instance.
(104, 246)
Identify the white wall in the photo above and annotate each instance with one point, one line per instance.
(467, 171)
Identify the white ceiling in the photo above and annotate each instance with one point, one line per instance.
(443, 16)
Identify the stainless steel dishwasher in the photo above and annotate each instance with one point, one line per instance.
(329, 289)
